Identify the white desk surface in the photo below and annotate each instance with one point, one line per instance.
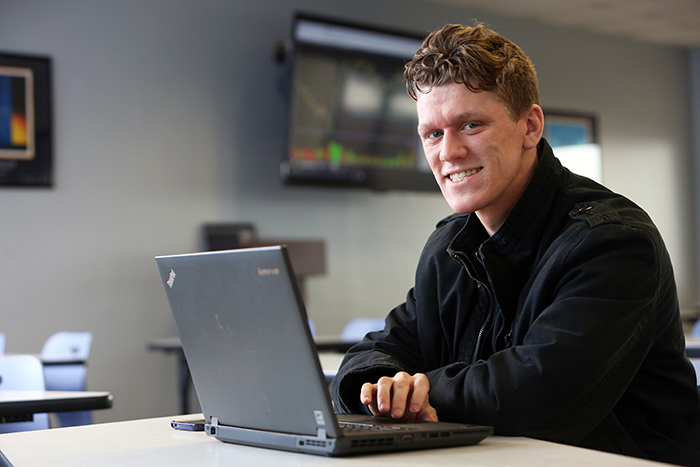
(153, 443)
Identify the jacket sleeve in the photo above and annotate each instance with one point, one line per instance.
(380, 354)
(592, 312)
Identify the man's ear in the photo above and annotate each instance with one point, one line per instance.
(534, 121)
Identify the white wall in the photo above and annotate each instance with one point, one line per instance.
(168, 114)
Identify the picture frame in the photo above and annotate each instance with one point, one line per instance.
(574, 139)
(569, 128)
(26, 130)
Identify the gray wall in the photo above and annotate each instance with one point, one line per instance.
(168, 114)
(694, 80)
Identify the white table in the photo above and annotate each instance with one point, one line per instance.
(153, 443)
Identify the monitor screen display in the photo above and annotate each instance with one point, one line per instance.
(351, 121)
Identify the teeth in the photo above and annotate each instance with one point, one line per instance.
(458, 177)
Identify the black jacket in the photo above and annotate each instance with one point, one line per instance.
(564, 325)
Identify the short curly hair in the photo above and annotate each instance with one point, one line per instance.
(479, 58)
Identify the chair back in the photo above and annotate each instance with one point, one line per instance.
(22, 372)
(68, 345)
(69, 377)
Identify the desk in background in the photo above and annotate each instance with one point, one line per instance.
(173, 345)
(153, 443)
(692, 348)
(21, 405)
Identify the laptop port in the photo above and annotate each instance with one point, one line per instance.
(407, 439)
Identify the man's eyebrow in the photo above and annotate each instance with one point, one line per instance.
(467, 115)
(471, 114)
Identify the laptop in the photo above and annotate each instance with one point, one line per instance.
(254, 364)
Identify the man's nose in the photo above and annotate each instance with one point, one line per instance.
(452, 147)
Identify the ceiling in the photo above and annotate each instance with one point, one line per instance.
(665, 22)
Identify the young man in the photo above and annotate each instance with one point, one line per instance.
(546, 306)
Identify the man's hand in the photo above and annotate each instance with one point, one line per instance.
(403, 396)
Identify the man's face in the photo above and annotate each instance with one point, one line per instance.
(475, 150)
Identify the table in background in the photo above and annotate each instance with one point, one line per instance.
(692, 348)
(153, 443)
(21, 405)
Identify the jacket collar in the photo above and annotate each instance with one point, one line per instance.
(525, 225)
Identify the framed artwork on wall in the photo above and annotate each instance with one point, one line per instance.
(569, 129)
(26, 134)
(574, 138)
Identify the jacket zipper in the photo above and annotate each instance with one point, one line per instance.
(484, 325)
(489, 311)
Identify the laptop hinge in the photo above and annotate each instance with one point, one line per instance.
(212, 427)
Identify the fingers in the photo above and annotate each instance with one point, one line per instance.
(419, 395)
(368, 397)
(417, 404)
(428, 414)
(389, 395)
(403, 395)
(367, 392)
(398, 399)
(378, 397)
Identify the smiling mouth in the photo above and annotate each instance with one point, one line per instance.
(461, 176)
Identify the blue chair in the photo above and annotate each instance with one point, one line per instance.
(69, 377)
(23, 372)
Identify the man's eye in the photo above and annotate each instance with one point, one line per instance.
(434, 134)
(471, 126)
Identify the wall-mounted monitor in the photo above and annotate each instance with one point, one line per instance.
(351, 122)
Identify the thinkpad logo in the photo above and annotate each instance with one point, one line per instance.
(171, 279)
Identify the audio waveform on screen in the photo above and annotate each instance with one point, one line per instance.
(334, 153)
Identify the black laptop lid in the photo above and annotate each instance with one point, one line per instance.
(246, 338)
